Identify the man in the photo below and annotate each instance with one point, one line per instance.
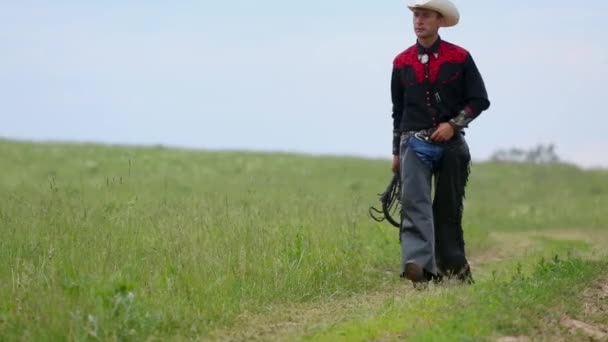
(437, 91)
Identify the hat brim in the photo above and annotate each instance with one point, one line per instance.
(450, 14)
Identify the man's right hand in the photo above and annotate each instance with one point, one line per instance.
(395, 167)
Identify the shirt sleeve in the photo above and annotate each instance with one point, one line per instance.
(397, 96)
(475, 89)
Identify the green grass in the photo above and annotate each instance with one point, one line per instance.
(520, 196)
(514, 303)
(130, 243)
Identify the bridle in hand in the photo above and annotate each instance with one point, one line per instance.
(391, 203)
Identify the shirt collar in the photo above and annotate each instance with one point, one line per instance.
(434, 49)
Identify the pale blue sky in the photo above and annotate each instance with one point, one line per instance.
(309, 76)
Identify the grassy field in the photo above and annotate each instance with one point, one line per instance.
(117, 243)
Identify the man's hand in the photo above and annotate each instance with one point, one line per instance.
(395, 167)
(444, 132)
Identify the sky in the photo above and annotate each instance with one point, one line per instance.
(307, 76)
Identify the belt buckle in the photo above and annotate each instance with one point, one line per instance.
(422, 135)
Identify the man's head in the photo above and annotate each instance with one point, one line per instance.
(427, 22)
(430, 15)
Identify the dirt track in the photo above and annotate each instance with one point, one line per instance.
(279, 322)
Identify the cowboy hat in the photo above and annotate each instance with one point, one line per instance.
(445, 7)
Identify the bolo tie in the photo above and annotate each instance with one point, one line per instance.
(424, 58)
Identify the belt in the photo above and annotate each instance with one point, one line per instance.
(425, 134)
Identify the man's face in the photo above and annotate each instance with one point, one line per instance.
(426, 23)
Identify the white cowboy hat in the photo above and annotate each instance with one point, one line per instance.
(445, 7)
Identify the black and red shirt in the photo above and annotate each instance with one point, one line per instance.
(427, 94)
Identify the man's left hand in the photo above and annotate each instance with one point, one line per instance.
(444, 132)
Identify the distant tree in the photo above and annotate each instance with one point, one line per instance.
(539, 154)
